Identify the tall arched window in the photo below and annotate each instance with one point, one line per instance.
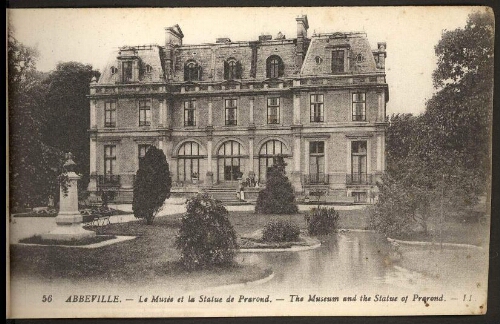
(274, 67)
(229, 161)
(268, 152)
(192, 71)
(188, 163)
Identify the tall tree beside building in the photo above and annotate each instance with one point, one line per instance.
(443, 156)
(152, 185)
(33, 165)
(68, 112)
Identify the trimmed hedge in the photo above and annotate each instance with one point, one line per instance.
(206, 237)
(322, 221)
(280, 231)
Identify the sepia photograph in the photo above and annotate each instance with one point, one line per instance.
(263, 161)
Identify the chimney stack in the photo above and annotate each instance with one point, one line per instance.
(302, 27)
(173, 37)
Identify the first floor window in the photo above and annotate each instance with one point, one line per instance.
(190, 113)
(316, 161)
(231, 112)
(110, 114)
(317, 109)
(358, 161)
(109, 159)
(359, 106)
(273, 110)
(144, 113)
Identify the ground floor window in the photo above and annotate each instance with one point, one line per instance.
(229, 161)
(316, 162)
(188, 163)
(268, 152)
(109, 159)
(358, 162)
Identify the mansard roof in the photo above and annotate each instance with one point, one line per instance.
(153, 60)
(360, 55)
(149, 64)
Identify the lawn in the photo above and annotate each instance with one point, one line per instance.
(151, 257)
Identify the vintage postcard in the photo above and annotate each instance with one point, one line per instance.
(179, 162)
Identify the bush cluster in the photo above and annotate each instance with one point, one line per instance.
(322, 221)
(206, 237)
(280, 231)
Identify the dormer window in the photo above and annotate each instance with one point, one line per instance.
(114, 70)
(338, 61)
(192, 71)
(275, 68)
(149, 68)
(127, 75)
(232, 69)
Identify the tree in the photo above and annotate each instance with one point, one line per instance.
(442, 157)
(33, 165)
(278, 197)
(152, 185)
(67, 111)
(463, 106)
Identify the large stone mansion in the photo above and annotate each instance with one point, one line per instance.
(221, 111)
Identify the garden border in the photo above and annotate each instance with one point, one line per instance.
(117, 239)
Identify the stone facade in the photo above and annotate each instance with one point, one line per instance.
(221, 111)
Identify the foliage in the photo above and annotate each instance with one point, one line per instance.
(206, 237)
(280, 231)
(33, 165)
(48, 116)
(441, 160)
(278, 197)
(152, 185)
(322, 221)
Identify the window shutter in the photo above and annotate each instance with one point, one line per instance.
(268, 67)
(199, 72)
(238, 70)
(281, 68)
(186, 73)
(226, 70)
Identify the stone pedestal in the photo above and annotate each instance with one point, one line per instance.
(69, 220)
(209, 179)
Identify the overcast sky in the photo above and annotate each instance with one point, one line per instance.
(89, 35)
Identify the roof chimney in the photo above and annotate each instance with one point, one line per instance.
(173, 36)
(302, 26)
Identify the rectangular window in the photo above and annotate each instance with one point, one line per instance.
(144, 113)
(190, 113)
(358, 162)
(143, 148)
(110, 114)
(231, 112)
(109, 159)
(317, 162)
(127, 71)
(273, 110)
(338, 61)
(359, 106)
(317, 110)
